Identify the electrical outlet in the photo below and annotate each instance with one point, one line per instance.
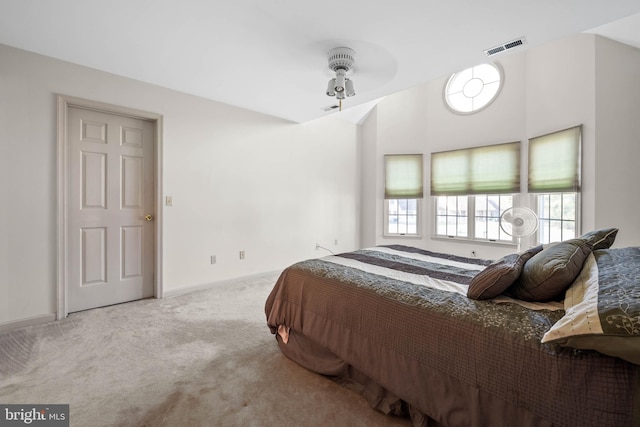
(213, 259)
(241, 254)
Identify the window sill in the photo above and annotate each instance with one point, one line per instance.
(407, 236)
(475, 241)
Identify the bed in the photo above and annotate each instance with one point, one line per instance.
(454, 341)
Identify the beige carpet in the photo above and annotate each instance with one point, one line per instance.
(202, 359)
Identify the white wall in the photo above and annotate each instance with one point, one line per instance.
(618, 139)
(239, 180)
(582, 79)
(371, 216)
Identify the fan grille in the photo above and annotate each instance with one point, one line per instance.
(519, 221)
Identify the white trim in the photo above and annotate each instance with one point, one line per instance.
(28, 321)
(203, 287)
(64, 103)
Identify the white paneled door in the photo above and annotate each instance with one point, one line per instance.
(110, 209)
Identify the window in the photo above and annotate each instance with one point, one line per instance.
(487, 212)
(403, 192)
(557, 216)
(473, 89)
(402, 217)
(452, 216)
(554, 175)
(471, 189)
(475, 217)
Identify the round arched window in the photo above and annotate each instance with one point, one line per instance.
(473, 89)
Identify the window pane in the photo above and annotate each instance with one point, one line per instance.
(543, 206)
(493, 229)
(487, 73)
(481, 205)
(493, 206)
(555, 206)
(412, 206)
(481, 228)
(456, 84)
(441, 225)
(402, 206)
(568, 205)
(555, 231)
(452, 205)
(451, 225)
(568, 230)
(462, 227)
(402, 224)
(460, 102)
(412, 225)
(462, 205)
(393, 206)
(393, 224)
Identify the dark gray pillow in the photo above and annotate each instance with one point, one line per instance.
(548, 274)
(499, 275)
(601, 239)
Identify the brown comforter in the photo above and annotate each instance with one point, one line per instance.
(396, 321)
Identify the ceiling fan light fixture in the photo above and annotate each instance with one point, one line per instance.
(340, 80)
(341, 60)
(331, 91)
(349, 88)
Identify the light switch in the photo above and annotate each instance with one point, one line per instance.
(169, 201)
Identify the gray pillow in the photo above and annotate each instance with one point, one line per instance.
(499, 275)
(548, 274)
(601, 239)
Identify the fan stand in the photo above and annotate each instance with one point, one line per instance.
(519, 222)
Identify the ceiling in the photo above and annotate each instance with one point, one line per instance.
(270, 56)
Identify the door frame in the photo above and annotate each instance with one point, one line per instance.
(65, 102)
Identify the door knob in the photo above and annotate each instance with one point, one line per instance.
(148, 217)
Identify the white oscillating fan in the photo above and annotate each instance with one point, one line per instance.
(519, 222)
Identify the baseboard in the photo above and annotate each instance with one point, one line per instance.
(195, 288)
(29, 321)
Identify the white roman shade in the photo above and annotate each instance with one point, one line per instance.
(554, 162)
(493, 169)
(403, 176)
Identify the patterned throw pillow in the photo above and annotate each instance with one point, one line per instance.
(602, 306)
(499, 275)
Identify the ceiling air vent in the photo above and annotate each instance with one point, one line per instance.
(506, 46)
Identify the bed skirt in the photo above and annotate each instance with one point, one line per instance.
(479, 404)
